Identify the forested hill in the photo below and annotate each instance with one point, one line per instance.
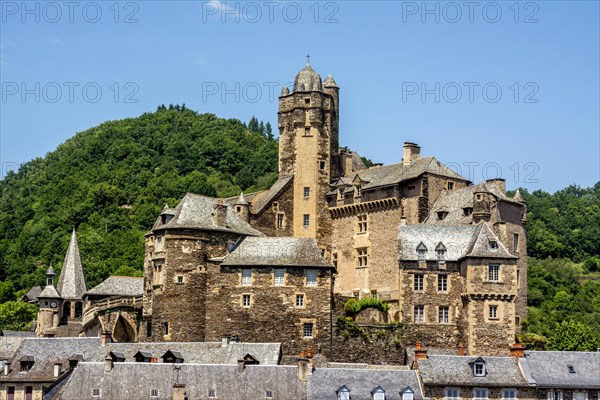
(111, 181)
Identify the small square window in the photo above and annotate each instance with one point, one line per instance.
(362, 223)
(246, 300)
(450, 185)
(96, 392)
(269, 394)
(306, 220)
(311, 277)
(154, 393)
(493, 312)
(179, 279)
(212, 393)
(299, 300)
(307, 100)
(307, 329)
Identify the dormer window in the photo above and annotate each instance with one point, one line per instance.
(358, 191)
(343, 393)
(440, 251)
(479, 367)
(442, 215)
(421, 251)
(26, 363)
(407, 393)
(378, 393)
(467, 211)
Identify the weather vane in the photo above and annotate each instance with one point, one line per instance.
(308, 58)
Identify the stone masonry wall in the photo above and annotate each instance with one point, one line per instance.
(266, 221)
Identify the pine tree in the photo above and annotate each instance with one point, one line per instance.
(253, 124)
(269, 131)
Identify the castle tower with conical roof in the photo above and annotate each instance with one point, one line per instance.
(308, 149)
(71, 282)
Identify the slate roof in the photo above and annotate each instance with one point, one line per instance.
(33, 293)
(324, 382)
(49, 292)
(460, 241)
(196, 212)
(261, 200)
(280, 251)
(46, 350)
(307, 80)
(549, 369)
(136, 380)
(119, 286)
(71, 283)
(454, 201)
(392, 174)
(456, 371)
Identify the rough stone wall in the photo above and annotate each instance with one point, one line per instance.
(435, 392)
(37, 390)
(266, 221)
(272, 315)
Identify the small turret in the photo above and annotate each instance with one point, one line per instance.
(481, 204)
(50, 274)
(242, 208)
(285, 91)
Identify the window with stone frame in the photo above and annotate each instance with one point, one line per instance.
(493, 273)
(450, 185)
(419, 282)
(306, 220)
(311, 277)
(443, 314)
(516, 242)
(451, 394)
(555, 395)
(157, 276)
(442, 283)
(308, 330)
(419, 314)
(362, 257)
(280, 220)
(96, 392)
(306, 192)
(299, 300)
(246, 277)
(509, 394)
(246, 300)
(480, 393)
(493, 311)
(361, 221)
(159, 243)
(279, 277)
(153, 392)
(212, 393)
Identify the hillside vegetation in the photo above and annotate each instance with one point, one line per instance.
(112, 180)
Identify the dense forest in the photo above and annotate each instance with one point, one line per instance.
(112, 180)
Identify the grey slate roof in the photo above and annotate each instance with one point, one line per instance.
(119, 286)
(308, 80)
(324, 383)
(71, 283)
(392, 174)
(49, 292)
(261, 200)
(455, 370)
(280, 251)
(460, 241)
(195, 212)
(549, 369)
(33, 293)
(136, 380)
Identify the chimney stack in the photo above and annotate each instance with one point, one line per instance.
(420, 354)
(220, 213)
(57, 367)
(347, 157)
(412, 152)
(302, 369)
(106, 338)
(517, 350)
(108, 363)
(461, 348)
(179, 391)
(500, 184)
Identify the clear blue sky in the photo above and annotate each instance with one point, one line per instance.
(400, 66)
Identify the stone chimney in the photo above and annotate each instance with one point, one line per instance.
(220, 214)
(108, 363)
(303, 369)
(241, 366)
(420, 353)
(106, 338)
(517, 350)
(461, 348)
(179, 391)
(347, 160)
(500, 184)
(412, 152)
(6, 368)
(57, 367)
(225, 341)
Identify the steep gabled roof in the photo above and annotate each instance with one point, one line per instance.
(49, 292)
(71, 283)
(481, 246)
(261, 200)
(547, 368)
(119, 286)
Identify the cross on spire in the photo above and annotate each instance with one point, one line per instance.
(308, 59)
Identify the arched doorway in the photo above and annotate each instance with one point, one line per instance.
(123, 331)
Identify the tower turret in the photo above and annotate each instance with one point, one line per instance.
(242, 207)
(482, 203)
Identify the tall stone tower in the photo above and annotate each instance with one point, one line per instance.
(308, 149)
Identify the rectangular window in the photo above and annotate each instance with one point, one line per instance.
(518, 279)
(516, 242)
(555, 395)
(10, 393)
(421, 254)
(28, 392)
(299, 300)
(153, 392)
(306, 220)
(311, 277)
(179, 279)
(378, 396)
(246, 300)
(246, 277)
(452, 394)
(419, 314)
(443, 313)
(279, 277)
(480, 394)
(442, 283)
(269, 394)
(450, 185)
(509, 394)
(212, 393)
(306, 192)
(493, 312)
(494, 273)
(95, 392)
(159, 243)
(362, 223)
(321, 165)
(158, 276)
(362, 257)
(307, 329)
(280, 220)
(418, 284)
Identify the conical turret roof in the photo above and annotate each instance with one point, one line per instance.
(241, 200)
(518, 196)
(71, 283)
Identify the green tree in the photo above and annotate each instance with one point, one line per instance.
(16, 315)
(573, 336)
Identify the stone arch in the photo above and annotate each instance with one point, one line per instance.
(123, 331)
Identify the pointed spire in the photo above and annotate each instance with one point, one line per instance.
(241, 200)
(518, 196)
(71, 283)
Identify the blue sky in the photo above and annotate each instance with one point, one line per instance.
(491, 88)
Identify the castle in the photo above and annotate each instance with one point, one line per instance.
(446, 256)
